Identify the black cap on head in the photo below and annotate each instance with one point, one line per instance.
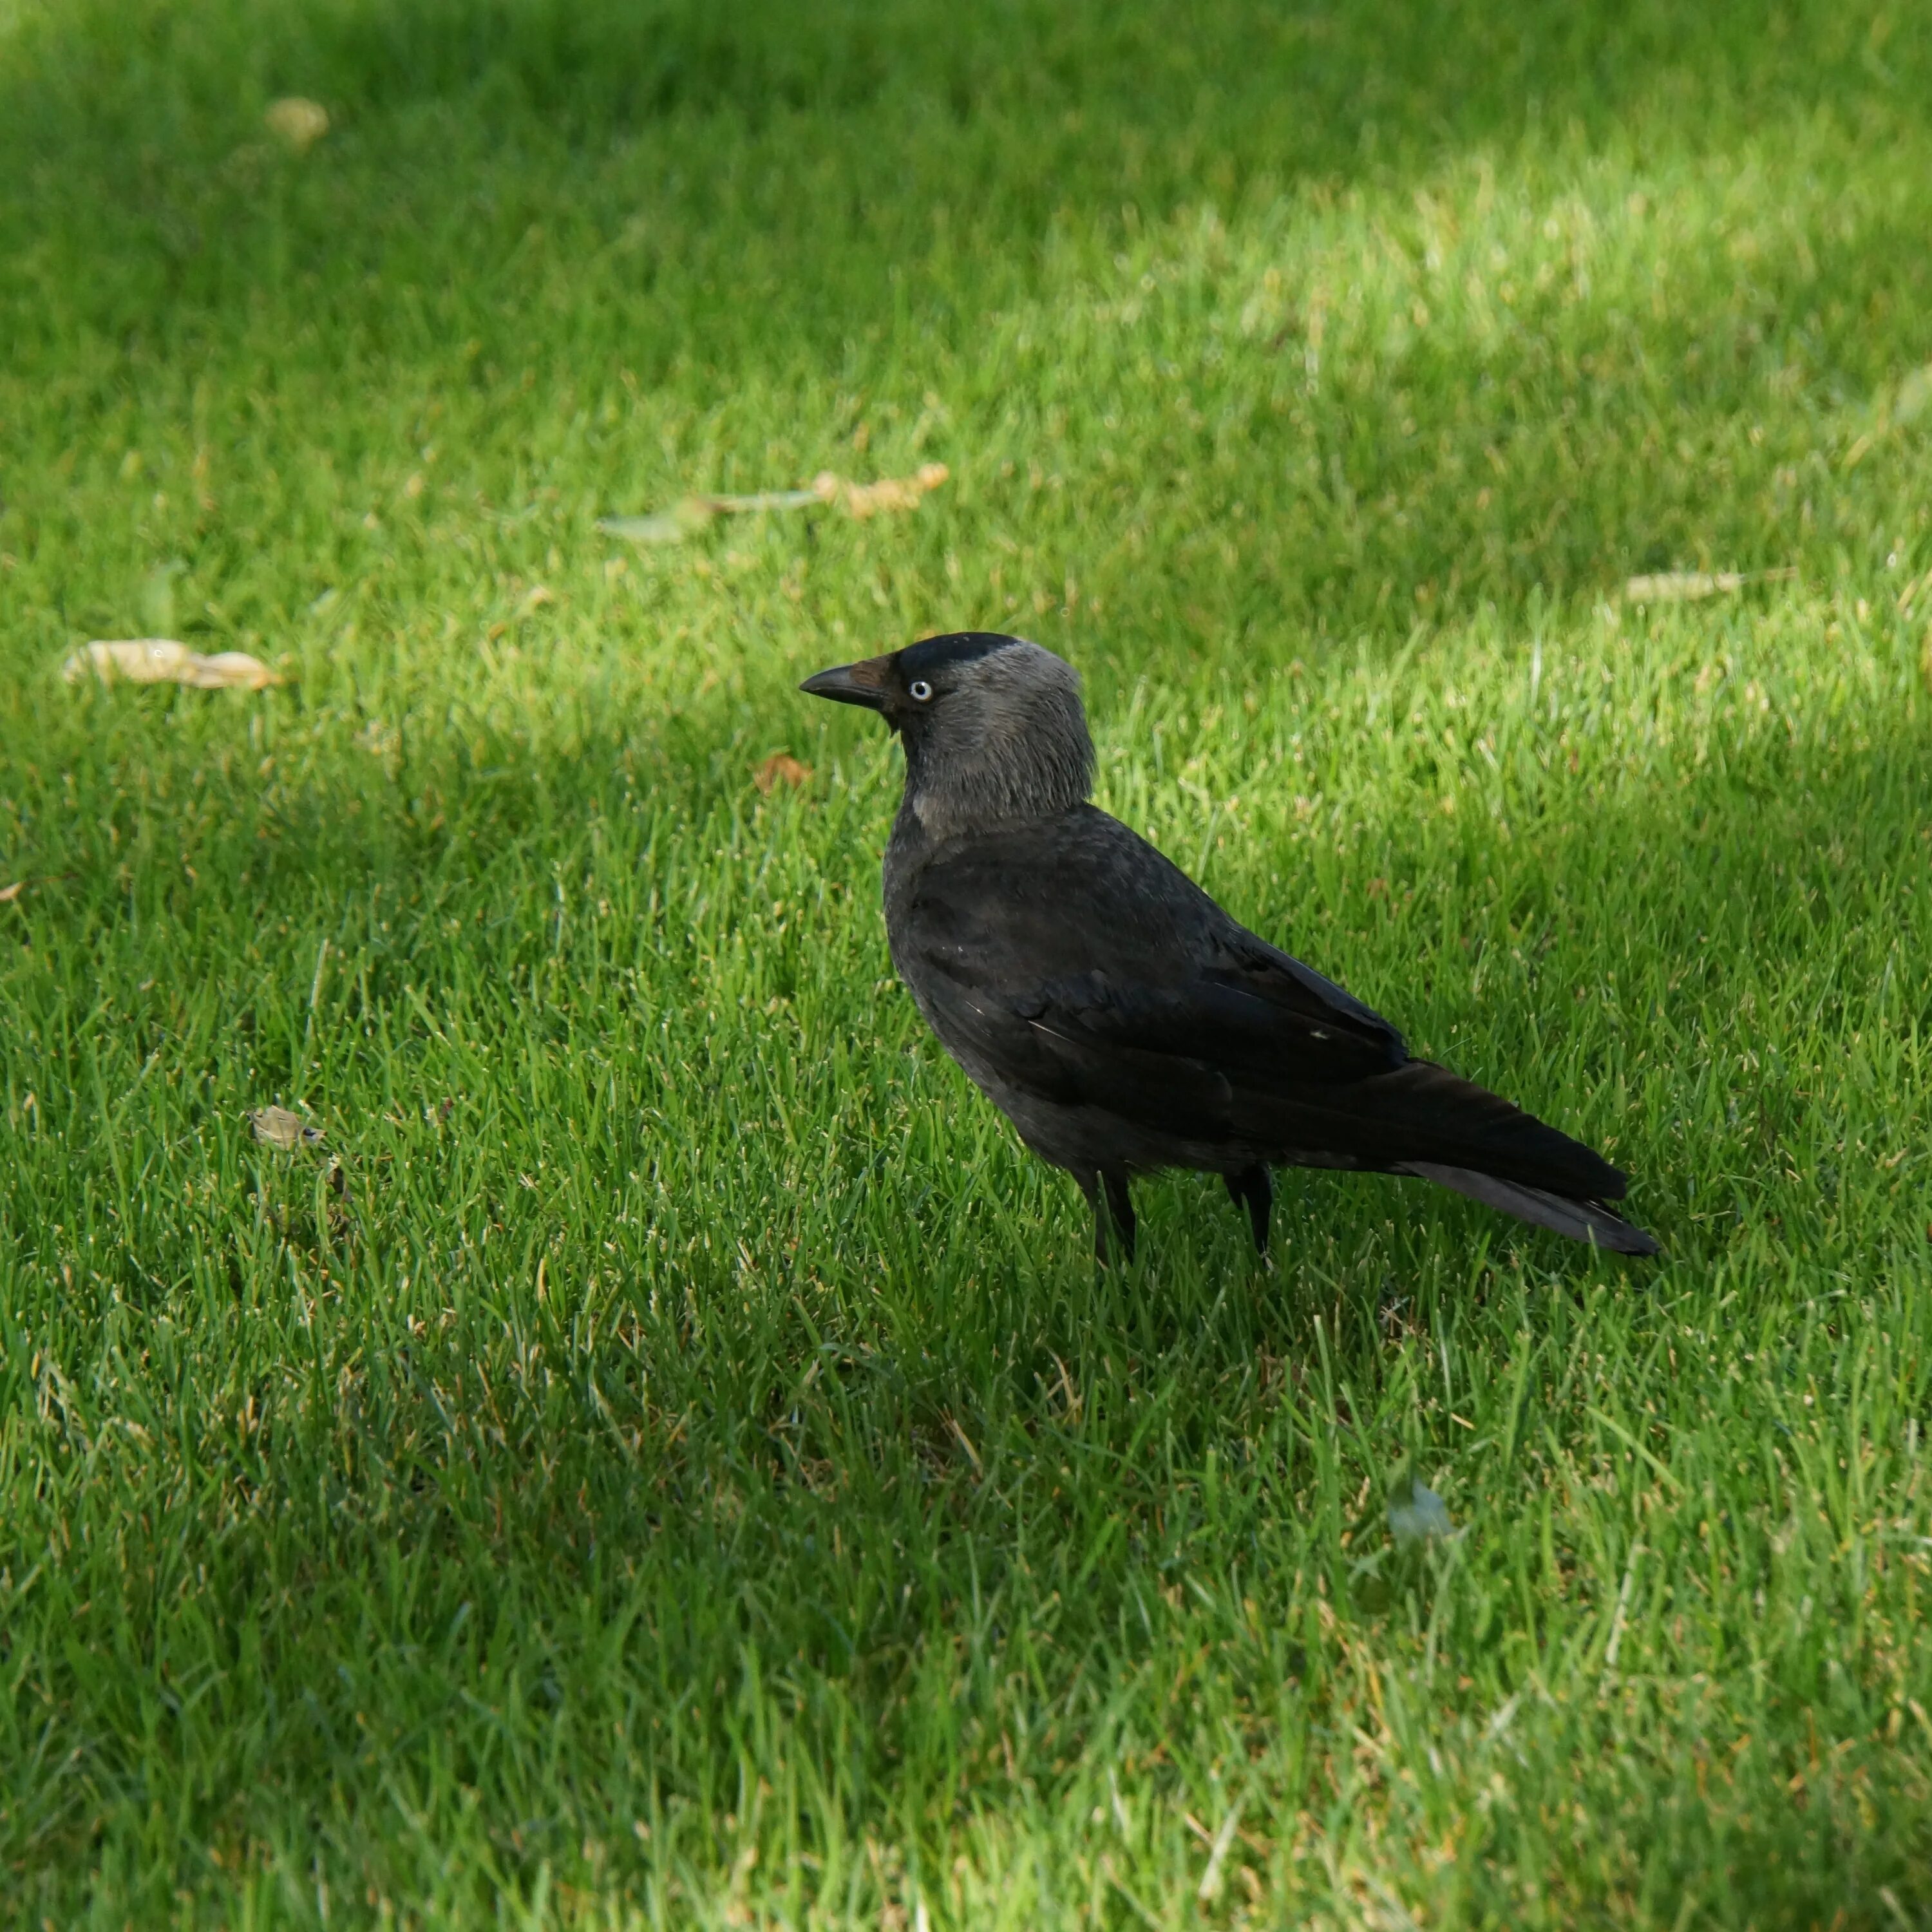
(950, 648)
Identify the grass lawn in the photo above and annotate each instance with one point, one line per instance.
(680, 1467)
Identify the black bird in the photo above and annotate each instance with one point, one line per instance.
(1115, 1013)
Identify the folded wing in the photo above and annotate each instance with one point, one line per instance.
(1089, 971)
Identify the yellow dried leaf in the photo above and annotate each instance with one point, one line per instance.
(8, 894)
(167, 660)
(297, 123)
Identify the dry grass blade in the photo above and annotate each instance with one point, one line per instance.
(1210, 1887)
(8, 894)
(165, 661)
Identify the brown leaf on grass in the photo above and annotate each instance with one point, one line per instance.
(8, 894)
(277, 1127)
(890, 492)
(1682, 586)
(165, 661)
(297, 123)
(780, 769)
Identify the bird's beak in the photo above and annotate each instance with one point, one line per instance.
(862, 683)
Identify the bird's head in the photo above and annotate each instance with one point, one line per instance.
(993, 726)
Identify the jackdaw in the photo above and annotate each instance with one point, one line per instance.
(1115, 1013)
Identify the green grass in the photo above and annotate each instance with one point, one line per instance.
(687, 1471)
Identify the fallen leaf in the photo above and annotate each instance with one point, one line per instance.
(780, 769)
(692, 513)
(297, 123)
(1417, 1515)
(689, 513)
(662, 526)
(8, 894)
(890, 492)
(277, 1127)
(761, 499)
(1680, 587)
(231, 670)
(165, 661)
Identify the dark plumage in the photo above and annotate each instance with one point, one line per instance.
(1116, 1015)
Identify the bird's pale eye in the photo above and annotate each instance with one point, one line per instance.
(921, 691)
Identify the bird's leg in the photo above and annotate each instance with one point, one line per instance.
(1106, 1193)
(1254, 1190)
(1122, 1203)
(1089, 1186)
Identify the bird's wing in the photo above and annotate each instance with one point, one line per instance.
(1073, 962)
(1077, 960)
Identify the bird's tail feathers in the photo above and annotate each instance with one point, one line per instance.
(1581, 1220)
(1420, 1111)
